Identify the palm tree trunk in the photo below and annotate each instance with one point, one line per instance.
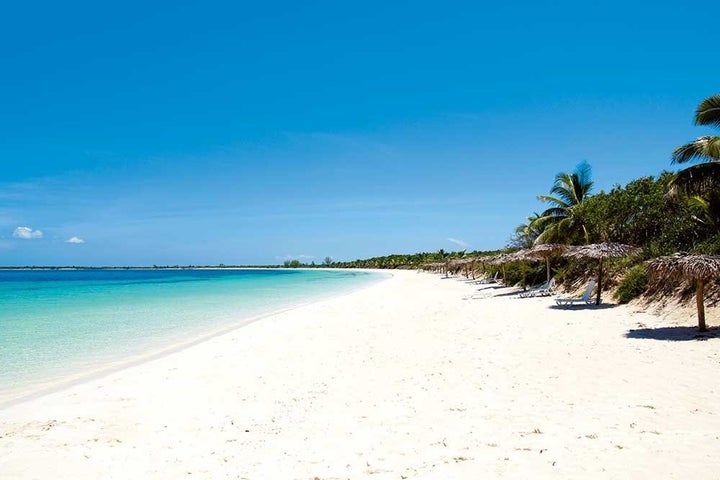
(699, 294)
(599, 285)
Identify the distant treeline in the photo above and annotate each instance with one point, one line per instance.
(410, 261)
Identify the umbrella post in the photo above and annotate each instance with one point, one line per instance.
(699, 294)
(599, 285)
(547, 262)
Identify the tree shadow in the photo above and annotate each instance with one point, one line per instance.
(508, 294)
(675, 334)
(489, 291)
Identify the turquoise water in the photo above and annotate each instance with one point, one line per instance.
(56, 325)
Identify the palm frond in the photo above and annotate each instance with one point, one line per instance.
(549, 235)
(708, 112)
(555, 213)
(706, 147)
(697, 201)
(707, 209)
(573, 188)
(702, 206)
(584, 183)
(563, 188)
(550, 199)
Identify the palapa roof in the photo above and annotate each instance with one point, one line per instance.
(434, 265)
(467, 260)
(484, 258)
(499, 259)
(685, 265)
(524, 254)
(601, 250)
(461, 261)
(543, 250)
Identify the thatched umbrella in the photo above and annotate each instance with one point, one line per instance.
(471, 265)
(481, 260)
(601, 251)
(500, 259)
(438, 267)
(457, 265)
(520, 255)
(545, 251)
(503, 258)
(700, 268)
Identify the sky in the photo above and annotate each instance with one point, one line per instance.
(185, 132)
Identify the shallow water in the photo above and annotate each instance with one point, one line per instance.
(56, 325)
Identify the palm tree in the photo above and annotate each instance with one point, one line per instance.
(526, 233)
(559, 223)
(703, 177)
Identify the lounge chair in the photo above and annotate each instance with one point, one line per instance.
(547, 290)
(486, 279)
(566, 302)
(494, 279)
(543, 290)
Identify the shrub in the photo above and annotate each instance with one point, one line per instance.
(632, 285)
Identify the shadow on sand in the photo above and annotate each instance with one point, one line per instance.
(583, 306)
(675, 334)
(488, 291)
(508, 294)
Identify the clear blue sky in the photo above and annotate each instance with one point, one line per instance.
(250, 132)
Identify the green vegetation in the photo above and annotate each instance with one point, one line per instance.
(632, 285)
(416, 260)
(644, 215)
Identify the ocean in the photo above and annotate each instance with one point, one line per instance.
(57, 326)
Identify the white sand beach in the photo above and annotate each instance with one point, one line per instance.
(405, 379)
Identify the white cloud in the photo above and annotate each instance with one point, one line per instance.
(27, 233)
(460, 243)
(75, 240)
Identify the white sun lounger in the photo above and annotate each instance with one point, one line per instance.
(566, 302)
(486, 279)
(543, 290)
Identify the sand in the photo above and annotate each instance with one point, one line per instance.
(405, 379)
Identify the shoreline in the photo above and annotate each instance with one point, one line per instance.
(41, 388)
(405, 378)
